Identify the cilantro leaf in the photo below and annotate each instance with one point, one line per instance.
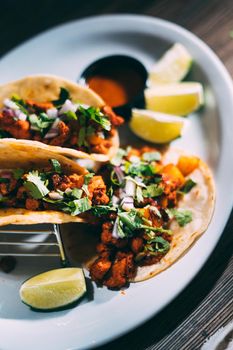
(183, 217)
(70, 115)
(81, 137)
(63, 96)
(102, 210)
(152, 191)
(20, 103)
(4, 180)
(189, 184)
(40, 123)
(158, 244)
(35, 185)
(56, 165)
(77, 206)
(92, 113)
(18, 173)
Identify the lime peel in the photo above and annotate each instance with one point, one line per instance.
(173, 66)
(156, 127)
(53, 289)
(177, 98)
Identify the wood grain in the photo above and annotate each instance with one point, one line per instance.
(207, 303)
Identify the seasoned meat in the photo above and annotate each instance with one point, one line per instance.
(64, 133)
(20, 129)
(32, 204)
(136, 244)
(116, 120)
(97, 191)
(99, 269)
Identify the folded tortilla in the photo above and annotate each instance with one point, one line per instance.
(42, 88)
(15, 155)
(200, 201)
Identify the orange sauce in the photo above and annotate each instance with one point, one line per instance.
(117, 86)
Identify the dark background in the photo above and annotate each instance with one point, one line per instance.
(206, 304)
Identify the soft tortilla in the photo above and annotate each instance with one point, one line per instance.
(200, 201)
(16, 155)
(43, 88)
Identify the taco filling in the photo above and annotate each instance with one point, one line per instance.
(51, 189)
(136, 228)
(60, 122)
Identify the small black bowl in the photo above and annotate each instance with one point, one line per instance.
(126, 71)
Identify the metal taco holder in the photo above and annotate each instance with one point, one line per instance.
(26, 243)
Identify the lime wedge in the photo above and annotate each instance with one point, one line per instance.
(156, 127)
(178, 98)
(172, 67)
(53, 289)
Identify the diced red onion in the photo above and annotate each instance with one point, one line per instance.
(10, 104)
(127, 203)
(55, 195)
(7, 112)
(119, 174)
(20, 115)
(53, 131)
(68, 106)
(115, 200)
(52, 113)
(115, 229)
(130, 188)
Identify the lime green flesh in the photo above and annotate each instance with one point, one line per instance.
(53, 289)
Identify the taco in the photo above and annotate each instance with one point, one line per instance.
(160, 205)
(63, 116)
(40, 186)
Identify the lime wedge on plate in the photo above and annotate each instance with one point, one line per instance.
(172, 67)
(178, 98)
(156, 127)
(53, 289)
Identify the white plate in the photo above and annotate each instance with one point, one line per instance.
(66, 51)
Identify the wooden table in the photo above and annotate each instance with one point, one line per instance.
(206, 304)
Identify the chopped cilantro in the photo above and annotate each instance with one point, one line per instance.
(70, 115)
(40, 123)
(20, 103)
(183, 217)
(18, 173)
(81, 137)
(76, 193)
(63, 96)
(4, 180)
(158, 244)
(189, 184)
(92, 113)
(152, 191)
(56, 165)
(77, 206)
(102, 210)
(36, 185)
(140, 169)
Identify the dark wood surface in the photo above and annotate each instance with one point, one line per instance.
(207, 303)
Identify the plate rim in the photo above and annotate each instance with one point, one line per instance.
(227, 80)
